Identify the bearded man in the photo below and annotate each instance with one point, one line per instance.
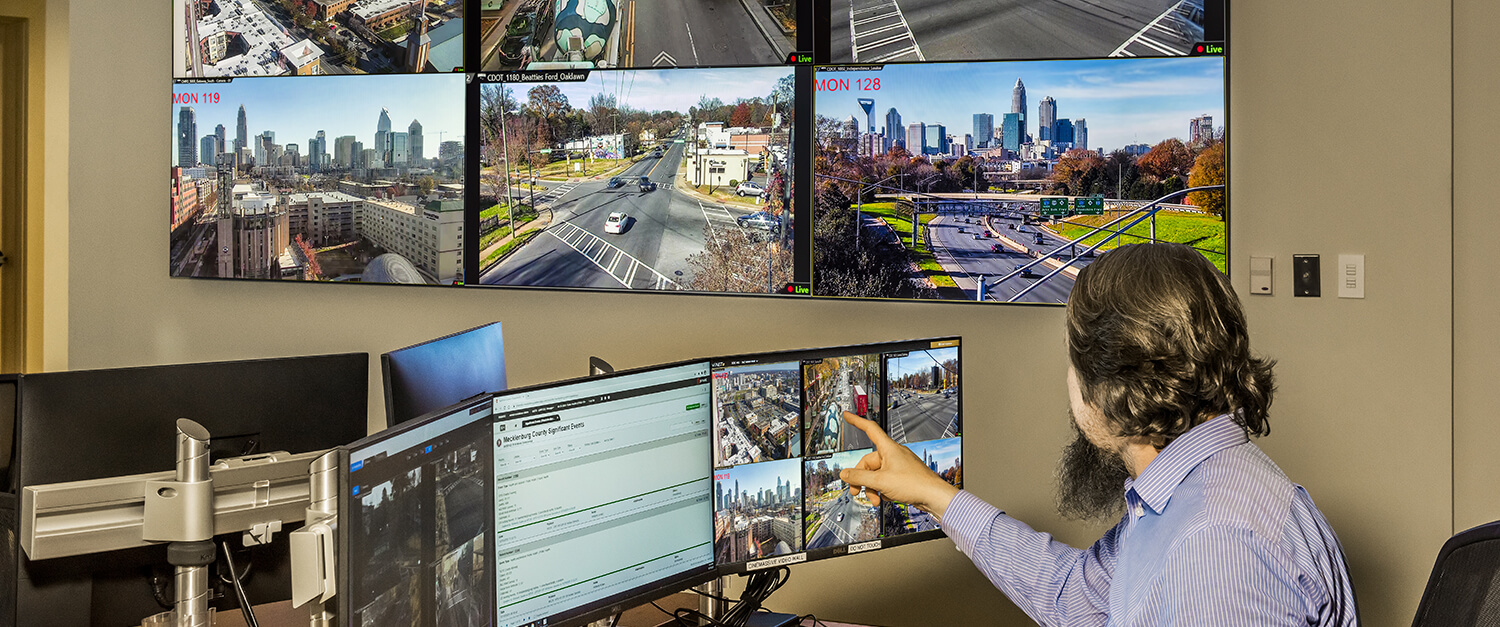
(1165, 396)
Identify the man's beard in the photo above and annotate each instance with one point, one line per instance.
(1090, 480)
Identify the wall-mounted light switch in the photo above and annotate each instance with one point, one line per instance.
(1260, 275)
(1351, 276)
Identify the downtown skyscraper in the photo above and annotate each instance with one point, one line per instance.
(984, 130)
(241, 132)
(1046, 119)
(187, 137)
(893, 129)
(1018, 105)
(414, 138)
(383, 139)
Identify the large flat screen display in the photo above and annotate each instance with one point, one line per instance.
(931, 150)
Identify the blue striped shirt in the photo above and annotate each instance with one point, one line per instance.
(1213, 534)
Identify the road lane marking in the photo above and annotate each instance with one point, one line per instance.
(691, 44)
(1171, 22)
(585, 243)
(887, 18)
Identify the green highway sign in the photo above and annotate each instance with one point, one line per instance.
(1054, 206)
(678, 141)
(545, 151)
(1092, 205)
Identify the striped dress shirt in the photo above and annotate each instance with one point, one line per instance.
(1213, 534)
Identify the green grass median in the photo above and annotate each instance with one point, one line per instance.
(1203, 232)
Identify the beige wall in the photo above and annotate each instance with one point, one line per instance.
(1476, 304)
(1342, 138)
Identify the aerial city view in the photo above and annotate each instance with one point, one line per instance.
(831, 387)
(1012, 194)
(757, 510)
(344, 179)
(923, 395)
(551, 34)
(391, 512)
(757, 413)
(237, 38)
(833, 515)
(877, 31)
(672, 179)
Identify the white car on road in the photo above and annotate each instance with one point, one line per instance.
(616, 223)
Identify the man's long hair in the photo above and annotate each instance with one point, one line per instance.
(1158, 339)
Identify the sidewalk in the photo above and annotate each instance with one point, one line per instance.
(541, 222)
(770, 28)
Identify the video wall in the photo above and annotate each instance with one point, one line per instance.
(891, 149)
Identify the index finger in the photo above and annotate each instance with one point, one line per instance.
(883, 442)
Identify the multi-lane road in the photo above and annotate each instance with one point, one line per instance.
(919, 416)
(694, 33)
(835, 531)
(664, 228)
(941, 30)
(990, 258)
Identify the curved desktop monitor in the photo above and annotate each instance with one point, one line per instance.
(426, 377)
(551, 505)
(780, 442)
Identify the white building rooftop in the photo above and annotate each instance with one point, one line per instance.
(327, 197)
(371, 9)
(263, 35)
(302, 53)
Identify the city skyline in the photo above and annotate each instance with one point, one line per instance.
(1126, 101)
(676, 89)
(918, 361)
(761, 475)
(345, 105)
(943, 453)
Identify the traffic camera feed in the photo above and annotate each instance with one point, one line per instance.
(757, 413)
(236, 38)
(554, 34)
(923, 397)
(881, 31)
(1008, 207)
(832, 386)
(671, 149)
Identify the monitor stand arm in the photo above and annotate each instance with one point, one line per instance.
(313, 555)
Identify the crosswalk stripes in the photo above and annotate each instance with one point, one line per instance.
(618, 264)
(879, 32)
(1173, 33)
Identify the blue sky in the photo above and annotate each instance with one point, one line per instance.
(919, 361)
(943, 451)
(668, 90)
(753, 477)
(297, 107)
(1125, 101)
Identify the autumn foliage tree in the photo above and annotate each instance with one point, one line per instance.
(1209, 169)
(1167, 159)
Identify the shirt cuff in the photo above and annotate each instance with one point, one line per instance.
(966, 519)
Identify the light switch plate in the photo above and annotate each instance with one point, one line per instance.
(1351, 276)
(1260, 275)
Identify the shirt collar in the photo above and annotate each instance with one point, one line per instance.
(1172, 465)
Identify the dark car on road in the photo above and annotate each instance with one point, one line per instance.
(645, 184)
(759, 220)
(614, 181)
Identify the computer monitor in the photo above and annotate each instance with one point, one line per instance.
(600, 498)
(780, 442)
(426, 377)
(93, 424)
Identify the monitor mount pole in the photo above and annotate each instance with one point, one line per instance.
(190, 559)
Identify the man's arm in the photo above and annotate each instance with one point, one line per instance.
(1055, 584)
(1227, 576)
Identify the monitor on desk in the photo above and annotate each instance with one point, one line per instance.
(600, 498)
(429, 376)
(780, 441)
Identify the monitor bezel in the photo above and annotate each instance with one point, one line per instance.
(386, 373)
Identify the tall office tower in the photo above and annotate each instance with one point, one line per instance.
(1062, 133)
(893, 129)
(293, 156)
(219, 134)
(868, 104)
(935, 140)
(315, 151)
(187, 137)
(207, 148)
(1081, 133)
(916, 140)
(342, 148)
(357, 155)
(1018, 105)
(400, 149)
(451, 153)
(1012, 131)
(382, 139)
(984, 130)
(1201, 127)
(263, 144)
(1046, 118)
(241, 132)
(851, 128)
(414, 142)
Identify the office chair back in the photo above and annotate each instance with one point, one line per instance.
(1464, 589)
